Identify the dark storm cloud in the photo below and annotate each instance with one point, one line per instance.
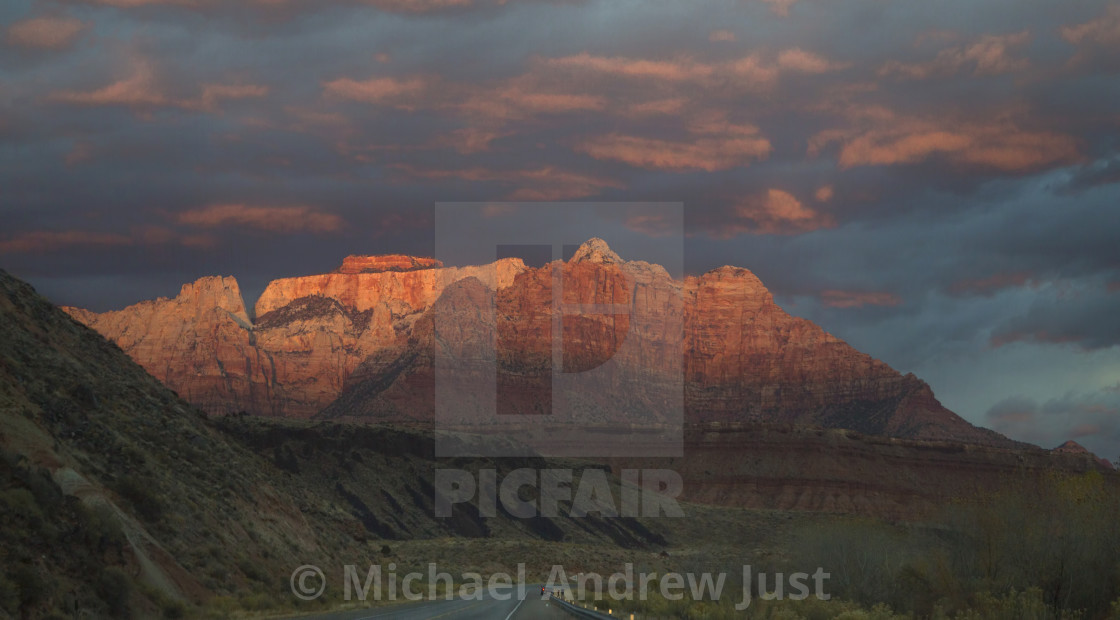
(1092, 420)
(1085, 319)
(1102, 172)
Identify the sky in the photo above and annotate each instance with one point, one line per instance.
(938, 183)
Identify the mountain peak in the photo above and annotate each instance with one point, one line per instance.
(595, 250)
(1072, 447)
(220, 292)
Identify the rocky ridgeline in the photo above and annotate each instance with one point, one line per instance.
(356, 334)
(308, 336)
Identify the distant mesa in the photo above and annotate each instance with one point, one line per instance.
(386, 262)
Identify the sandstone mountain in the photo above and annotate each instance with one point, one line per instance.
(362, 339)
(308, 335)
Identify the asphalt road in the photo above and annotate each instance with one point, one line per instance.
(532, 608)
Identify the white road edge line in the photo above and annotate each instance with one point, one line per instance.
(515, 609)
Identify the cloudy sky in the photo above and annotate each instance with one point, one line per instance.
(936, 182)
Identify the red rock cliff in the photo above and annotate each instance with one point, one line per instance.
(309, 333)
(744, 358)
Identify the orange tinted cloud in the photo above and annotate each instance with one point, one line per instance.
(672, 105)
(584, 82)
(673, 70)
(522, 98)
(49, 240)
(719, 146)
(990, 55)
(213, 93)
(780, 7)
(654, 224)
(401, 92)
(1103, 31)
(751, 72)
(858, 299)
(778, 212)
(141, 90)
(538, 101)
(470, 140)
(548, 183)
(721, 35)
(138, 89)
(801, 61)
(537, 184)
(824, 193)
(45, 32)
(273, 219)
(394, 6)
(879, 137)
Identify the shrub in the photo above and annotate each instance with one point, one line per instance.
(173, 610)
(100, 526)
(115, 588)
(21, 502)
(9, 595)
(257, 602)
(32, 588)
(139, 493)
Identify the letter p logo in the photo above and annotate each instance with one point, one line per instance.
(562, 349)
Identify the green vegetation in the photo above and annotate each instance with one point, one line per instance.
(1047, 550)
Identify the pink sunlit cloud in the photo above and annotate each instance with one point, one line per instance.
(45, 33)
(404, 93)
(281, 219)
(780, 7)
(707, 153)
(538, 184)
(48, 240)
(778, 212)
(142, 90)
(990, 55)
(878, 136)
(801, 61)
(1103, 31)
